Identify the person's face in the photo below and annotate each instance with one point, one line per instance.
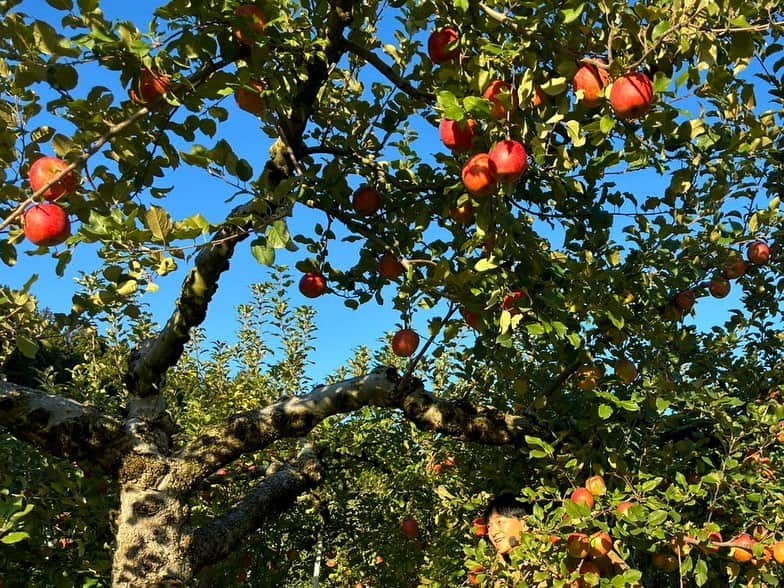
(504, 532)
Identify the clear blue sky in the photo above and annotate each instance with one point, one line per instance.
(340, 330)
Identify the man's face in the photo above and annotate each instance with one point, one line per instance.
(504, 531)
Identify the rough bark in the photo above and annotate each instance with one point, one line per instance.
(63, 427)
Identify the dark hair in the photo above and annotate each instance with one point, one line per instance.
(507, 505)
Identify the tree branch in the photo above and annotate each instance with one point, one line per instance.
(389, 73)
(295, 417)
(62, 427)
(216, 540)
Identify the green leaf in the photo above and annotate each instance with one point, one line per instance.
(61, 4)
(449, 105)
(159, 222)
(262, 252)
(14, 537)
(485, 264)
(572, 14)
(26, 346)
(278, 236)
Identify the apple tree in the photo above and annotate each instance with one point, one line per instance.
(573, 208)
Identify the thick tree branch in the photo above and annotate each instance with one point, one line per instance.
(216, 540)
(295, 417)
(402, 84)
(62, 427)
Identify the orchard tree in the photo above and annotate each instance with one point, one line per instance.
(557, 189)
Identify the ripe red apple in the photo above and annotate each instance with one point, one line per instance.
(758, 253)
(719, 287)
(624, 507)
(600, 543)
(471, 318)
(714, 537)
(46, 224)
(458, 135)
(501, 95)
(734, 267)
(409, 527)
(366, 201)
(44, 170)
(250, 99)
(578, 545)
(685, 299)
(253, 23)
(631, 95)
(152, 86)
(480, 527)
(405, 342)
(592, 81)
(778, 552)
(443, 45)
(625, 370)
(596, 486)
(473, 575)
(478, 176)
(313, 285)
(390, 267)
(539, 97)
(513, 300)
(508, 161)
(463, 214)
(582, 496)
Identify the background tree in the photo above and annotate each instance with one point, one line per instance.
(605, 168)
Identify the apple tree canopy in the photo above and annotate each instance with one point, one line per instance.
(575, 205)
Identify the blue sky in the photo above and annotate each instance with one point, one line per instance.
(340, 330)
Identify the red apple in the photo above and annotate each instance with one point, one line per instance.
(625, 370)
(578, 545)
(734, 267)
(152, 86)
(719, 287)
(405, 342)
(631, 95)
(463, 214)
(390, 267)
(587, 567)
(409, 527)
(596, 486)
(366, 201)
(501, 95)
(588, 377)
(471, 318)
(250, 98)
(539, 97)
(443, 45)
(582, 496)
(44, 170)
(778, 552)
(252, 23)
(513, 300)
(592, 81)
(742, 549)
(708, 548)
(600, 543)
(758, 253)
(313, 285)
(624, 507)
(685, 299)
(458, 135)
(473, 575)
(480, 527)
(46, 224)
(478, 176)
(508, 161)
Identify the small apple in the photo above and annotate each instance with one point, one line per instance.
(592, 81)
(46, 224)
(312, 285)
(588, 377)
(458, 136)
(449, 461)
(405, 342)
(734, 267)
(578, 545)
(742, 548)
(501, 95)
(582, 496)
(758, 253)
(443, 45)
(478, 176)
(685, 299)
(409, 527)
(437, 469)
(480, 527)
(631, 96)
(471, 318)
(366, 201)
(600, 543)
(222, 472)
(152, 86)
(670, 312)
(390, 267)
(513, 301)
(250, 98)
(508, 161)
(778, 551)
(666, 563)
(709, 548)
(596, 485)
(252, 23)
(44, 170)
(625, 370)
(538, 98)
(624, 507)
(719, 287)
(473, 575)
(463, 214)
